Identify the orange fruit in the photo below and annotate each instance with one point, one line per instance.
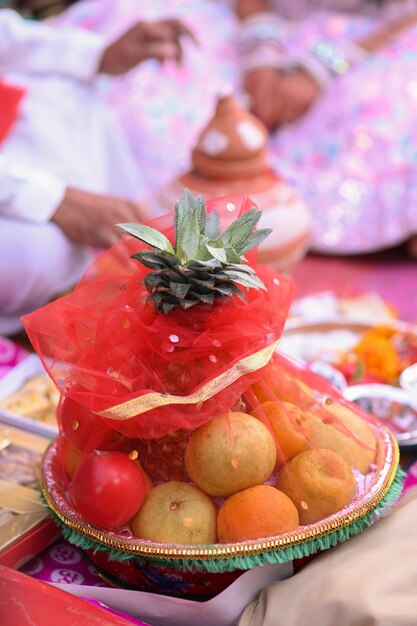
(230, 453)
(176, 512)
(290, 427)
(277, 384)
(71, 456)
(257, 512)
(319, 482)
(345, 433)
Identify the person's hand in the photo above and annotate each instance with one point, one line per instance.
(146, 40)
(297, 91)
(262, 86)
(279, 98)
(90, 219)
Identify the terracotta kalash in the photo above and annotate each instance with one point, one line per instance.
(231, 158)
(189, 448)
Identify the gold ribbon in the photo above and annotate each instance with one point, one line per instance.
(153, 400)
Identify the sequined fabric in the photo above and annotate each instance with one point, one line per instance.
(352, 156)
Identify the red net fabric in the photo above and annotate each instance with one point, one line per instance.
(272, 448)
(102, 345)
(10, 99)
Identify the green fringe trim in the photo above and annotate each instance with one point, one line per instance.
(232, 563)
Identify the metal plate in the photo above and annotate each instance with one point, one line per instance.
(27, 369)
(408, 381)
(328, 339)
(392, 406)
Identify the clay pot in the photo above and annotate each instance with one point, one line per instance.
(231, 158)
(232, 145)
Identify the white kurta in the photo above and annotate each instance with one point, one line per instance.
(65, 136)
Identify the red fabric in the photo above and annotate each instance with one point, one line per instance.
(25, 601)
(31, 543)
(103, 345)
(10, 99)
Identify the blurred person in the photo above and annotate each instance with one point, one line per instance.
(66, 172)
(334, 80)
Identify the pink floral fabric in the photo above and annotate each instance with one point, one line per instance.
(352, 156)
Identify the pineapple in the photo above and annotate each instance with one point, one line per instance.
(205, 264)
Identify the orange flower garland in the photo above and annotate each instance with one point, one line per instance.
(381, 354)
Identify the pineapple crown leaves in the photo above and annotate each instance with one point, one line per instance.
(205, 263)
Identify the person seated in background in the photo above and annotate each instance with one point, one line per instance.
(335, 88)
(66, 172)
(334, 80)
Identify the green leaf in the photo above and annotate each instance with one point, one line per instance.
(186, 304)
(179, 290)
(174, 276)
(239, 267)
(246, 280)
(212, 229)
(183, 208)
(254, 239)
(204, 268)
(229, 289)
(148, 235)
(152, 280)
(188, 241)
(232, 256)
(156, 298)
(217, 253)
(203, 254)
(167, 307)
(237, 232)
(200, 206)
(205, 285)
(150, 259)
(207, 298)
(238, 292)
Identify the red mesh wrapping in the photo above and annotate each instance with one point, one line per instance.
(102, 345)
(286, 414)
(269, 451)
(10, 99)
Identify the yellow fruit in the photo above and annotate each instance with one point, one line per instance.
(176, 512)
(277, 384)
(257, 512)
(230, 453)
(290, 427)
(347, 434)
(319, 482)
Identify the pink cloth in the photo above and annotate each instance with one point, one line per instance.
(411, 480)
(303, 8)
(352, 156)
(64, 563)
(10, 355)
